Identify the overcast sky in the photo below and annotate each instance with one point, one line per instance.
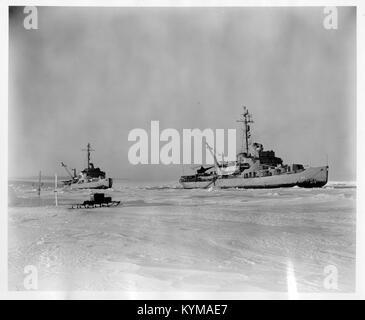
(94, 74)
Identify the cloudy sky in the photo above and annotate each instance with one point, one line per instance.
(94, 74)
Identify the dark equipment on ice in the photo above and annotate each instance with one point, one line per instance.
(203, 170)
(97, 200)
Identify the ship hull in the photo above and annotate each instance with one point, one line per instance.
(314, 177)
(197, 184)
(97, 184)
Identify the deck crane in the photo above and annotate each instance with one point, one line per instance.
(229, 170)
(68, 171)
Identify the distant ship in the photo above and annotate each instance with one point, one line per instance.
(89, 178)
(255, 168)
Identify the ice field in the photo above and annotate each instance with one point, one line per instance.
(164, 238)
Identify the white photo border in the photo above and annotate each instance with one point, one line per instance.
(360, 202)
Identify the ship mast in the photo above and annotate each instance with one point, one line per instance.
(88, 149)
(246, 119)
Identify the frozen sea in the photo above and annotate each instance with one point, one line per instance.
(163, 238)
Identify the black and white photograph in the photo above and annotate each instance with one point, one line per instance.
(171, 150)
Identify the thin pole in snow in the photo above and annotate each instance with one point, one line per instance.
(39, 183)
(55, 190)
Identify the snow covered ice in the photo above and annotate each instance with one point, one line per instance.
(164, 238)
